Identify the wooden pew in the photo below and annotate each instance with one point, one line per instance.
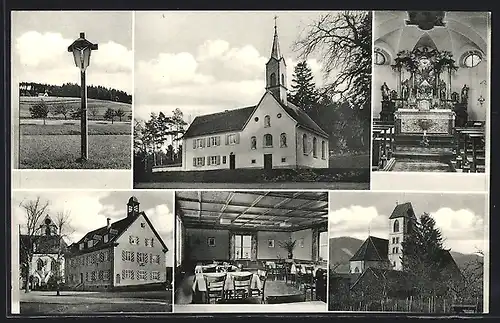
(383, 143)
(470, 149)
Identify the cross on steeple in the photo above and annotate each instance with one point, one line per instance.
(275, 18)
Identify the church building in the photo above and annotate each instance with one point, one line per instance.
(274, 133)
(431, 76)
(127, 252)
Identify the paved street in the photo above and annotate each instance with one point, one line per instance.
(70, 302)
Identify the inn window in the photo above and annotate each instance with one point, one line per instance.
(152, 242)
(242, 246)
(93, 278)
(198, 161)
(253, 142)
(267, 121)
(81, 246)
(87, 276)
(283, 159)
(223, 159)
(157, 259)
(232, 139)
(101, 256)
(315, 147)
(396, 226)
(213, 160)
(213, 141)
(146, 242)
(268, 140)
(105, 275)
(198, 143)
(101, 275)
(283, 140)
(142, 275)
(155, 275)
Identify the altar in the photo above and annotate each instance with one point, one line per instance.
(414, 121)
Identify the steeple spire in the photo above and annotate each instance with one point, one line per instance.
(275, 52)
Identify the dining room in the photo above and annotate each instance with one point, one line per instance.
(252, 251)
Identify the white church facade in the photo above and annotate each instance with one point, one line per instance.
(272, 134)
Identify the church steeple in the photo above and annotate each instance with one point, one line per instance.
(276, 70)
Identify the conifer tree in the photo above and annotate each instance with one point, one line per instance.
(304, 93)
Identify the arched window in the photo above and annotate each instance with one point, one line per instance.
(472, 59)
(273, 79)
(396, 226)
(323, 148)
(39, 264)
(283, 140)
(253, 142)
(304, 144)
(268, 140)
(315, 147)
(267, 121)
(379, 58)
(356, 270)
(282, 79)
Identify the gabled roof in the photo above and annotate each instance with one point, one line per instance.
(404, 210)
(235, 120)
(373, 249)
(118, 228)
(399, 279)
(232, 120)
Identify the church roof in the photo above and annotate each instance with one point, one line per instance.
(235, 120)
(404, 210)
(115, 231)
(45, 244)
(373, 249)
(227, 121)
(275, 51)
(399, 280)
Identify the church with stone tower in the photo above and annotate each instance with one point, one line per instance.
(273, 133)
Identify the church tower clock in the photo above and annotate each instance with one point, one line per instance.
(276, 71)
(400, 225)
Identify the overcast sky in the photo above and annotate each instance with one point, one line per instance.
(89, 210)
(461, 217)
(40, 40)
(205, 62)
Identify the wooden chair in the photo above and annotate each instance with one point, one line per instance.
(241, 285)
(280, 272)
(308, 283)
(260, 292)
(215, 287)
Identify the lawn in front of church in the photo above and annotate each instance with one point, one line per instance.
(78, 302)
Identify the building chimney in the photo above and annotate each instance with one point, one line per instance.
(108, 225)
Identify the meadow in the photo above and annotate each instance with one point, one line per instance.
(55, 142)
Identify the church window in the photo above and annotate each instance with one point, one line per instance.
(315, 147)
(304, 144)
(256, 119)
(283, 159)
(282, 79)
(273, 79)
(267, 121)
(396, 226)
(268, 140)
(472, 59)
(397, 239)
(397, 250)
(198, 161)
(323, 149)
(379, 58)
(356, 270)
(39, 264)
(253, 142)
(283, 140)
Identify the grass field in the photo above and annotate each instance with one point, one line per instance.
(62, 152)
(350, 161)
(25, 102)
(32, 127)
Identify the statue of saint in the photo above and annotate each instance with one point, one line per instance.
(465, 93)
(405, 90)
(454, 97)
(394, 95)
(442, 90)
(385, 92)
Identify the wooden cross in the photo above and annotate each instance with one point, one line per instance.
(275, 17)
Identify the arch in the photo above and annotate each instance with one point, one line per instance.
(117, 278)
(315, 147)
(395, 227)
(381, 57)
(253, 142)
(283, 140)
(304, 144)
(39, 264)
(268, 140)
(272, 79)
(267, 121)
(471, 59)
(323, 149)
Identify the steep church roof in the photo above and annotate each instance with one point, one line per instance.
(373, 249)
(404, 210)
(275, 51)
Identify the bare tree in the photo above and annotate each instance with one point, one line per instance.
(34, 210)
(344, 41)
(62, 109)
(93, 111)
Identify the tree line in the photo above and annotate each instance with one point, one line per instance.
(41, 110)
(157, 141)
(73, 90)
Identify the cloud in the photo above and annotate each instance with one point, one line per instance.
(217, 77)
(356, 221)
(43, 57)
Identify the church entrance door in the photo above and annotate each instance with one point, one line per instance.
(232, 161)
(268, 161)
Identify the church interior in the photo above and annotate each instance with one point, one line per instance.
(431, 91)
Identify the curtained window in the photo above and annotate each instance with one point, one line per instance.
(242, 246)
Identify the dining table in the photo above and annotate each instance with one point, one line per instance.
(199, 284)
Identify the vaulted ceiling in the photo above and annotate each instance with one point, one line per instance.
(462, 31)
(266, 211)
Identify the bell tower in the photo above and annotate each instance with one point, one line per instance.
(400, 225)
(276, 70)
(133, 206)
